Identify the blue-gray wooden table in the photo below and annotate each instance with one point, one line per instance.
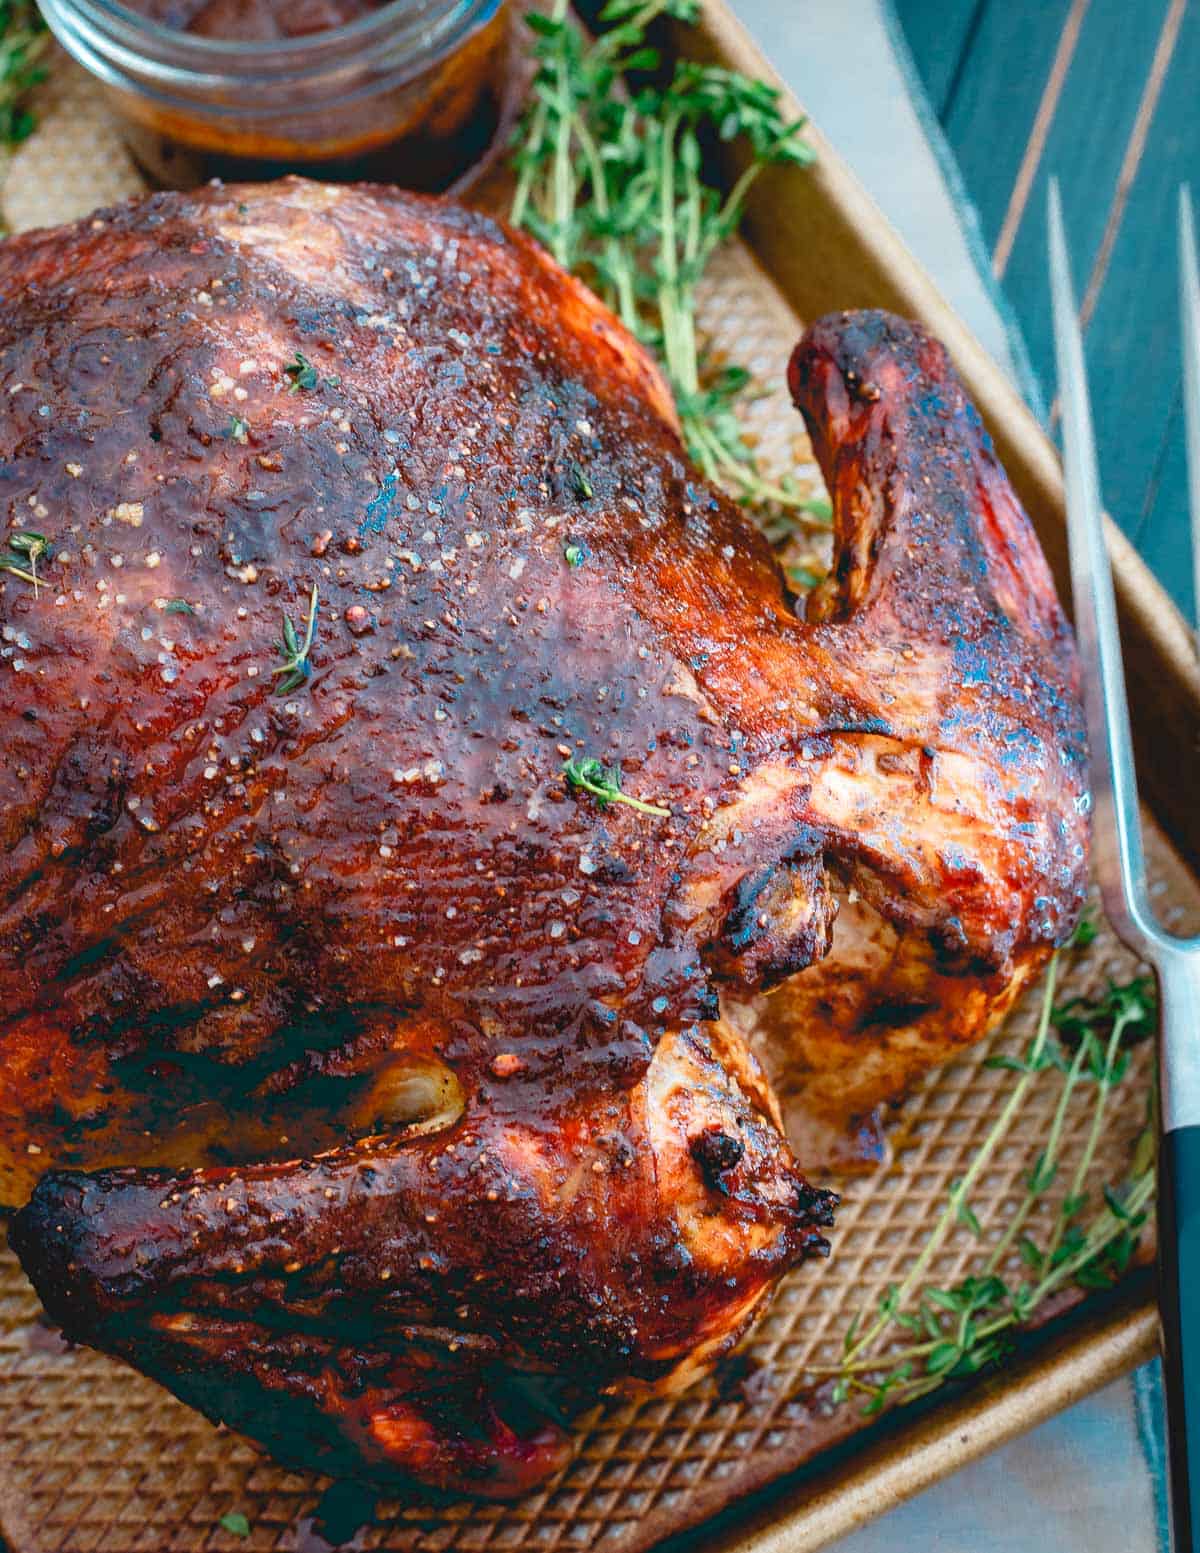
(1105, 94)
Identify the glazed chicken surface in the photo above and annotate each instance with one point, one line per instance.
(367, 1080)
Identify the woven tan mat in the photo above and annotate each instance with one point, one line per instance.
(92, 1456)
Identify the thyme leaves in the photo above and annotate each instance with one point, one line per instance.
(23, 42)
(295, 649)
(301, 374)
(922, 1333)
(611, 176)
(603, 783)
(27, 549)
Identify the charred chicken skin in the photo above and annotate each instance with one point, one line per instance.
(381, 1078)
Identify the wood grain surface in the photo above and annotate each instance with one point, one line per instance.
(1103, 95)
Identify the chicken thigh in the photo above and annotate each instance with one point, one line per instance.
(413, 777)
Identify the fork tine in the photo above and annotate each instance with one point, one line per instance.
(1117, 832)
(1189, 310)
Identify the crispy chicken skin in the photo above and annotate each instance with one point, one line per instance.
(380, 1076)
(954, 811)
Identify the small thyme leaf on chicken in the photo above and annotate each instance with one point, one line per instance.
(239, 429)
(803, 576)
(580, 483)
(178, 607)
(235, 1523)
(303, 375)
(12, 563)
(575, 554)
(296, 668)
(603, 782)
(27, 547)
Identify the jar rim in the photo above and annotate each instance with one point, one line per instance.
(430, 26)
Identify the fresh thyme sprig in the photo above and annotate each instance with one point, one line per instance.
(610, 177)
(27, 547)
(23, 41)
(603, 782)
(958, 1331)
(296, 668)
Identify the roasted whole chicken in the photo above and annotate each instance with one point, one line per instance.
(421, 797)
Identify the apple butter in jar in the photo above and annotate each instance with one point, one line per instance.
(412, 92)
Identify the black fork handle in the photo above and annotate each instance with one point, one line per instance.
(1179, 1304)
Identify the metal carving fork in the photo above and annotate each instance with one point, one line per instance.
(1119, 862)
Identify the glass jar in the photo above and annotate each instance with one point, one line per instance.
(414, 93)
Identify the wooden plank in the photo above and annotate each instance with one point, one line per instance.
(994, 105)
(1086, 162)
(939, 37)
(1133, 340)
